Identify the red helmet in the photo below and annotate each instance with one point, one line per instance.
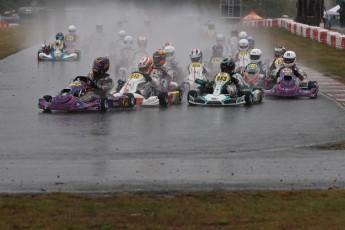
(159, 57)
(145, 65)
(165, 44)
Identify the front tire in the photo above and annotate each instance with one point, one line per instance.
(48, 98)
(131, 99)
(191, 93)
(248, 98)
(163, 98)
(104, 104)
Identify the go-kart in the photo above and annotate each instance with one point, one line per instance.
(217, 95)
(144, 94)
(288, 85)
(57, 55)
(69, 99)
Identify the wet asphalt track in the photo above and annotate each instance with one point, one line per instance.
(272, 145)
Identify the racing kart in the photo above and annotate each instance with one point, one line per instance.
(288, 85)
(143, 93)
(57, 55)
(217, 95)
(68, 99)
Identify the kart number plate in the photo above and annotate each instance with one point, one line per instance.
(195, 64)
(135, 76)
(75, 83)
(223, 78)
(215, 60)
(287, 70)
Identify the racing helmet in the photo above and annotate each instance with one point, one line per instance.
(145, 65)
(128, 40)
(217, 50)
(227, 65)
(100, 65)
(210, 25)
(279, 51)
(251, 42)
(72, 29)
(234, 33)
(169, 52)
(255, 56)
(243, 44)
(289, 58)
(159, 58)
(242, 35)
(99, 28)
(196, 55)
(60, 36)
(220, 39)
(142, 42)
(165, 44)
(122, 34)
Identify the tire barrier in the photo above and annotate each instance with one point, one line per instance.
(321, 35)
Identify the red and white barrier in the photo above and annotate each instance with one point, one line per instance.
(3, 24)
(321, 35)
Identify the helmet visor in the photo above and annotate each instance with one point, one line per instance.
(255, 57)
(243, 46)
(289, 60)
(279, 53)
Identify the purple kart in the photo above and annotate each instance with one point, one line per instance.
(289, 86)
(69, 99)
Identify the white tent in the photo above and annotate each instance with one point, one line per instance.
(333, 11)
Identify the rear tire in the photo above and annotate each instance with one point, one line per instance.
(104, 104)
(163, 98)
(312, 85)
(191, 93)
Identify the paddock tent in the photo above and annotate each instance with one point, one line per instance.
(252, 16)
(333, 11)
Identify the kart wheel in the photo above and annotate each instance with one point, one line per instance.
(104, 104)
(163, 98)
(131, 99)
(312, 85)
(248, 98)
(191, 93)
(48, 98)
(180, 95)
(260, 94)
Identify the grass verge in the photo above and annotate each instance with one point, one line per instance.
(320, 57)
(216, 210)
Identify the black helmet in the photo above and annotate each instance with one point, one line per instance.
(100, 65)
(59, 36)
(227, 65)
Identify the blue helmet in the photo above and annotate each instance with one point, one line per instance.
(100, 65)
(60, 36)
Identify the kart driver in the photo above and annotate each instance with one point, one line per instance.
(101, 81)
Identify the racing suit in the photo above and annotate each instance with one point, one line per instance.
(165, 82)
(101, 88)
(176, 69)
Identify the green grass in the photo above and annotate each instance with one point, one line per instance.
(320, 57)
(208, 210)
(14, 39)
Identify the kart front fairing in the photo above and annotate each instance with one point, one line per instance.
(289, 86)
(218, 98)
(57, 55)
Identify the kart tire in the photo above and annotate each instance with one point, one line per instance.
(48, 98)
(248, 97)
(191, 93)
(131, 99)
(104, 104)
(312, 85)
(180, 95)
(163, 98)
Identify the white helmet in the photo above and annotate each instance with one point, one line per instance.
(243, 44)
(72, 29)
(122, 34)
(128, 40)
(255, 56)
(242, 35)
(196, 55)
(220, 39)
(289, 58)
(169, 52)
